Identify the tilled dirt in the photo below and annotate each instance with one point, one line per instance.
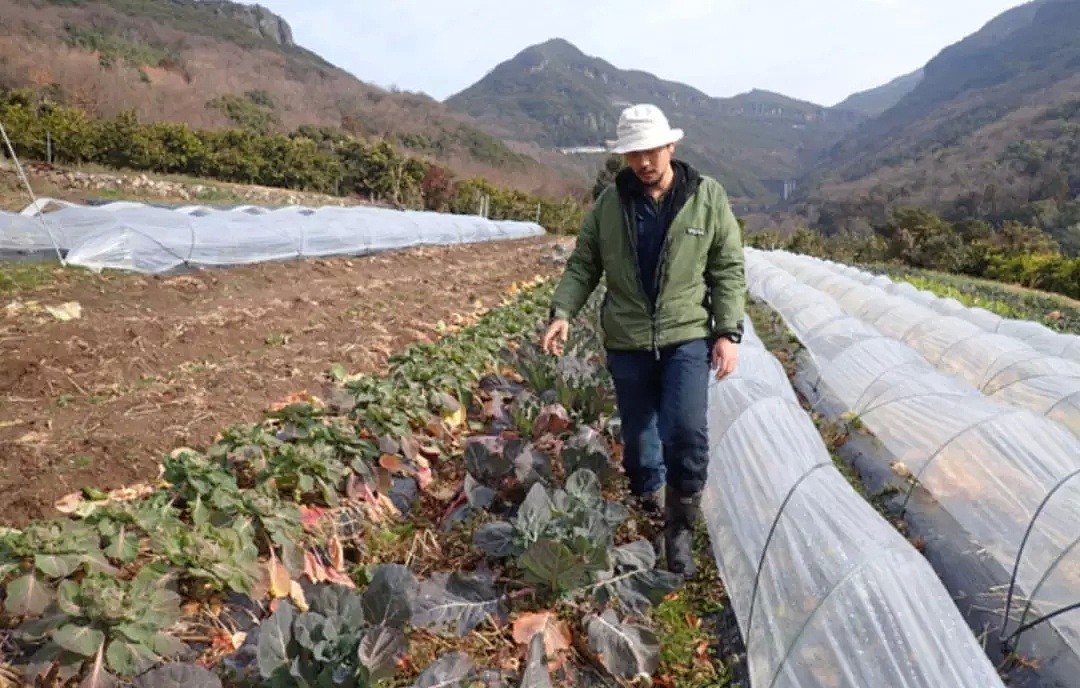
(157, 363)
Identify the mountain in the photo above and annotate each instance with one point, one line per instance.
(977, 80)
(554, 95)
(211, 63)
(992, 130)
(875, 101)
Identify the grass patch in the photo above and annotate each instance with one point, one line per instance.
(693, 652)
(206, 194)
(18, 277)
(21, 277)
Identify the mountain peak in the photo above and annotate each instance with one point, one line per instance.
(554, 95)
(555, 48)
(760, 95)
(260, 20)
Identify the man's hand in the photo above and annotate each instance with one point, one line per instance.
(555, 337)
(725, 354)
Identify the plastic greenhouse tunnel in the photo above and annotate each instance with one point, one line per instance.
(1038, 336)
(993, 489)
(149, 239)
(1003, 367)
(826, 592)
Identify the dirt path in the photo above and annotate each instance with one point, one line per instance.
(154, 364)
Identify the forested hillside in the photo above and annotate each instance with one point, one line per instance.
(989, 132)
(215, 64)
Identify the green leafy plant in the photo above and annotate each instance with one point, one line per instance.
(563, 541)
(304, 473)
(524, 411)
(207, 487)
(123, 623)
(221, 557)
(588, 449)
(584, 389)
(503, 469)
(43, 553)
(537, 369)
(224, 510)
(346, 639)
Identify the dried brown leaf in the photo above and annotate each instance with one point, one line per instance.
(410, 447)
(424, 476)
(313, 568)
(394, 464)
(296, 594)
(556, 632)
(310, 516)
(336, 552)
(552, 420)
(280, 583)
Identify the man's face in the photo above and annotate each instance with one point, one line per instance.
(650, 165)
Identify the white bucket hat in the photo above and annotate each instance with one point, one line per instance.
(643, 127)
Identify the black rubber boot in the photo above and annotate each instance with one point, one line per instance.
(683, 513)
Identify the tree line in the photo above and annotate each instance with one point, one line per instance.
(319, 159)
(1013, 252)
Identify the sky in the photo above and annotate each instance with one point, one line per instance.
(815, 50)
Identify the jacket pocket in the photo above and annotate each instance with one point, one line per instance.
(620, 327)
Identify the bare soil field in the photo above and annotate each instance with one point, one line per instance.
(152, 364)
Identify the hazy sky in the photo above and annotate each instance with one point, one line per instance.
(817, 50)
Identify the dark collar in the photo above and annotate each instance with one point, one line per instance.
(685, 183)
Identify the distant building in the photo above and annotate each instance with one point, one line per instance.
(784, 188)
(583, 150)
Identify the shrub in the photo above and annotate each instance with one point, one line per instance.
(320, 159)
(1015, 252)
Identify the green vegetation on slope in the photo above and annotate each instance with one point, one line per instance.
(254, 111)
(990, 132)
(311, 159)
(1056, 312)
(1013, 253)
(112, 48)
(197, 61)
(232, 22)
(1023, 51)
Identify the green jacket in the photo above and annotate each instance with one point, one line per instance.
(701, 274)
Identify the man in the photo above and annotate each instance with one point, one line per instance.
(668, 243)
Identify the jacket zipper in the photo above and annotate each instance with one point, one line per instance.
(631, 230)
(661, 263)
(660, 274)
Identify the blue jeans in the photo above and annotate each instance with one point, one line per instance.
(662, 405)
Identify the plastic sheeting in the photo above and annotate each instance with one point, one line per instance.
(1008, 476)
(826, 592)
(1003, 367)
(149, 239)
(1038, 336)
